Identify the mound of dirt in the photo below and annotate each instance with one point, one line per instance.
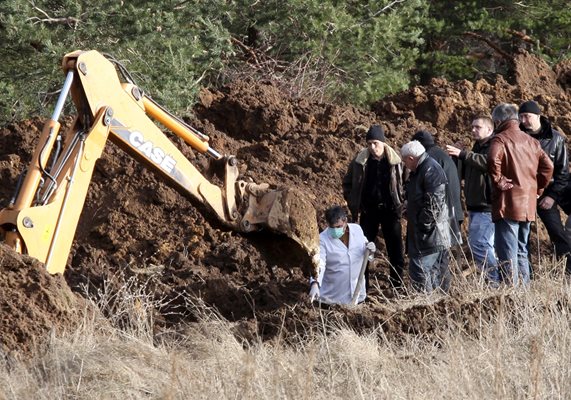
(134, 225)
(33, 303)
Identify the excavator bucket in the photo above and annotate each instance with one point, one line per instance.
(286, 211)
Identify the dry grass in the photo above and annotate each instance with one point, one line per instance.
(522, 352)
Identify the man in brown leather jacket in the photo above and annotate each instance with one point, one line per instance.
(519, 170)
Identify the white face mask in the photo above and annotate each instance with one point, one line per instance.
(336, 233)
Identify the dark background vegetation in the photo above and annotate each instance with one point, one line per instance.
(351, 51)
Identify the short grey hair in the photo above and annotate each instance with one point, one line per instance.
(504, 112)
(413, 148)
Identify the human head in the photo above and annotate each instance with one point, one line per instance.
(376, 132)
(424, 137)
(411, 153)
(482, 127)
(375, 141)
(529, 114)
(335, 216)
(504, 112)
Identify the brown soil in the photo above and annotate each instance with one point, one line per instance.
(134, 225)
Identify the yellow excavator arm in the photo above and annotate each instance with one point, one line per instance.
(42, 218)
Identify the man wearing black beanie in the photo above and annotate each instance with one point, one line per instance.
(375, 132)
(553, 143)
(372, 188)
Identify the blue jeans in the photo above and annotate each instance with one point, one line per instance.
(481, 240)
(429, 272)
(511, 247)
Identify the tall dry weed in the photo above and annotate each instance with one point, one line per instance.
(522, 349)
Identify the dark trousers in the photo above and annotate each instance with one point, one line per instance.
(551, 218)
(392, 234)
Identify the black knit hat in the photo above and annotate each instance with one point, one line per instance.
(376, 132)
(425, 138)
(529, 107)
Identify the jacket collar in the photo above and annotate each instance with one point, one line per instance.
(509, 124)
(392, 156)
(546, 129)
(422, 158)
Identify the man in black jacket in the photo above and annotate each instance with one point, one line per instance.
(373, 190)
(428, 230)
(478, 196)
(553, 143)
(453, 199)
(453, 187)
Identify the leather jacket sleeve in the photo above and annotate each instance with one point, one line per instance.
(495, 157)
(434, 203)
(560, 169)
(544, 171)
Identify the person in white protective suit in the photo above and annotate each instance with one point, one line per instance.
(342, 248)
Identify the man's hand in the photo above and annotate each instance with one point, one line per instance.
(505, 184)
(314, 291)
(546, 203)
(453, 151)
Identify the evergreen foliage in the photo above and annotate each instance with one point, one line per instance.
(169, 47)
(357, 51)
(368, 45)
(537, 26)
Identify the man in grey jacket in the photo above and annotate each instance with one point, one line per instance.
(428, 231)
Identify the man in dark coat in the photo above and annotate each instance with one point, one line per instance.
(428, 231)
(373, 190)
(453, 199)
(553, 143)
(453, 187)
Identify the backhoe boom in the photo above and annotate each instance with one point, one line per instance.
(43, 218)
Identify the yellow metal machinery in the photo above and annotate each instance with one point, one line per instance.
(42, 218)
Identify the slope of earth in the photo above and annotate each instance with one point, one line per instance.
(133, 225)
(33, 303)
